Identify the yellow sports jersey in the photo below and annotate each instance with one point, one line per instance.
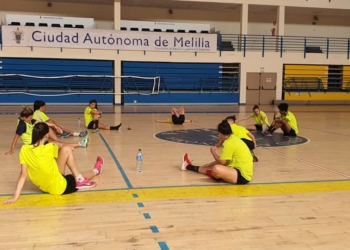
(238, 154)
(40, 116)
(259, 120)
(292, 121)
(25, 130)
(88, 116)
(240, 132)
(42, 167)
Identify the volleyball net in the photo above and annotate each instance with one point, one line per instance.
(78, 85)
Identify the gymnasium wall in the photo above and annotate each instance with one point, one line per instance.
(54, 68)
(251, 62)
(227, 22)
(317, 83)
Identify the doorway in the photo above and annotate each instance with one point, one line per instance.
(261, 88)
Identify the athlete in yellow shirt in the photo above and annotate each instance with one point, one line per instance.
(286, 121)
(261, 120)
(45, 164)
(242, 133)
(25, 127)
(92, 118)
(40, 115)
(235, 163)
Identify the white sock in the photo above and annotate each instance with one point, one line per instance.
(80, 178)
(95, 171)
(76, 134)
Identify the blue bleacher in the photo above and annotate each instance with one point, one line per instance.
(53, 68)
(176, 76)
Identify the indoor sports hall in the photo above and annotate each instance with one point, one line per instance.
(140, 58)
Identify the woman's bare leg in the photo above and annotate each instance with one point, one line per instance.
(181, 111)
(102, 126)
(66, 158)
(174, 111)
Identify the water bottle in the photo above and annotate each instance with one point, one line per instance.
(79, 123)
(139, 159)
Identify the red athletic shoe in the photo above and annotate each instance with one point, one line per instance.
(185, 162)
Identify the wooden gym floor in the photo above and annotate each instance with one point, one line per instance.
(298, 199)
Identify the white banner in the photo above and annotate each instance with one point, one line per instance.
(23, 36)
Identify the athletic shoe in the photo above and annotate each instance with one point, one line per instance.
(96, 130)
(65, 134)
(99, 164)
(84, 142)
(85, 184)
(267, 133)
(185, 162)
(83, 134)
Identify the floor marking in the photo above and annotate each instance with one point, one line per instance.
(154, 229)
(121, 170)
(163, 245)
(309, 163)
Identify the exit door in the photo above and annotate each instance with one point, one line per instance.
(261, 88)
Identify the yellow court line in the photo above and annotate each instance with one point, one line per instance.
(147, 194)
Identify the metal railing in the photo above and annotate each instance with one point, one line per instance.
(303, 84)
(24, 83)
(282, 44)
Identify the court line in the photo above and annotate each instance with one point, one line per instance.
(187, 186)
(158, 194)
(328, 132)
(310, 163)
(121, 170)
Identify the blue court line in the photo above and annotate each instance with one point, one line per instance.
(125, 177)
(328, 132)
(140, 204)
(135, 195)
(147, 216)
(163, 245)
(154, 229)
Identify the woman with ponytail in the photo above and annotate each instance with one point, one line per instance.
(45, 164)
(24, 130)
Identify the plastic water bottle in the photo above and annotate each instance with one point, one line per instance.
(79, 124)
(139, 160)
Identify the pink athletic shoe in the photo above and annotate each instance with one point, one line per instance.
(99, 164)
(85, 184)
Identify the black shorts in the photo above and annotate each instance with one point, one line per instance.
(240, 179)
(91, 125)
(291, 133)
(249, 143)
(258, 127)
(71, 184)
(178, 120)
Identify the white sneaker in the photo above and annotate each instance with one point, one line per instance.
(185, 162)
(96, 130)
